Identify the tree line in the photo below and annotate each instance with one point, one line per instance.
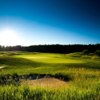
(53, 48)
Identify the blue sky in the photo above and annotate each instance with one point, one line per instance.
(52, 21)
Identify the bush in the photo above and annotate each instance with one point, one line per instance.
(86, 52)
(97, 52)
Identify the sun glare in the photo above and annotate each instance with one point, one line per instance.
(9, 37)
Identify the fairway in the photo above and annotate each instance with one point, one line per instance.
(51, 58)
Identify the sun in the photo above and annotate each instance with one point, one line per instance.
(9, 37)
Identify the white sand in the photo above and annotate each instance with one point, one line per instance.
(1, 67)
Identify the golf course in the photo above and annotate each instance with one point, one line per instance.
(49, 76)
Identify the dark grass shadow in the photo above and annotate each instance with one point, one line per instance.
(15, 79)
(87, 65)
(13, 61)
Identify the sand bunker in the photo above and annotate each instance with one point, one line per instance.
(1, 67)
(46, 82)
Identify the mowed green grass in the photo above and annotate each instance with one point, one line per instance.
(24, 62)
(50, 58)
(84, 71)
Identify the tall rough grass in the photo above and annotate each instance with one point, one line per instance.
(38, 93)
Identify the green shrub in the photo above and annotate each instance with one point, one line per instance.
(97, 52)
(85, 52)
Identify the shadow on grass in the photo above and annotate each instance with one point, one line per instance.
(13, 61)
(15, 79)
(88, 65)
